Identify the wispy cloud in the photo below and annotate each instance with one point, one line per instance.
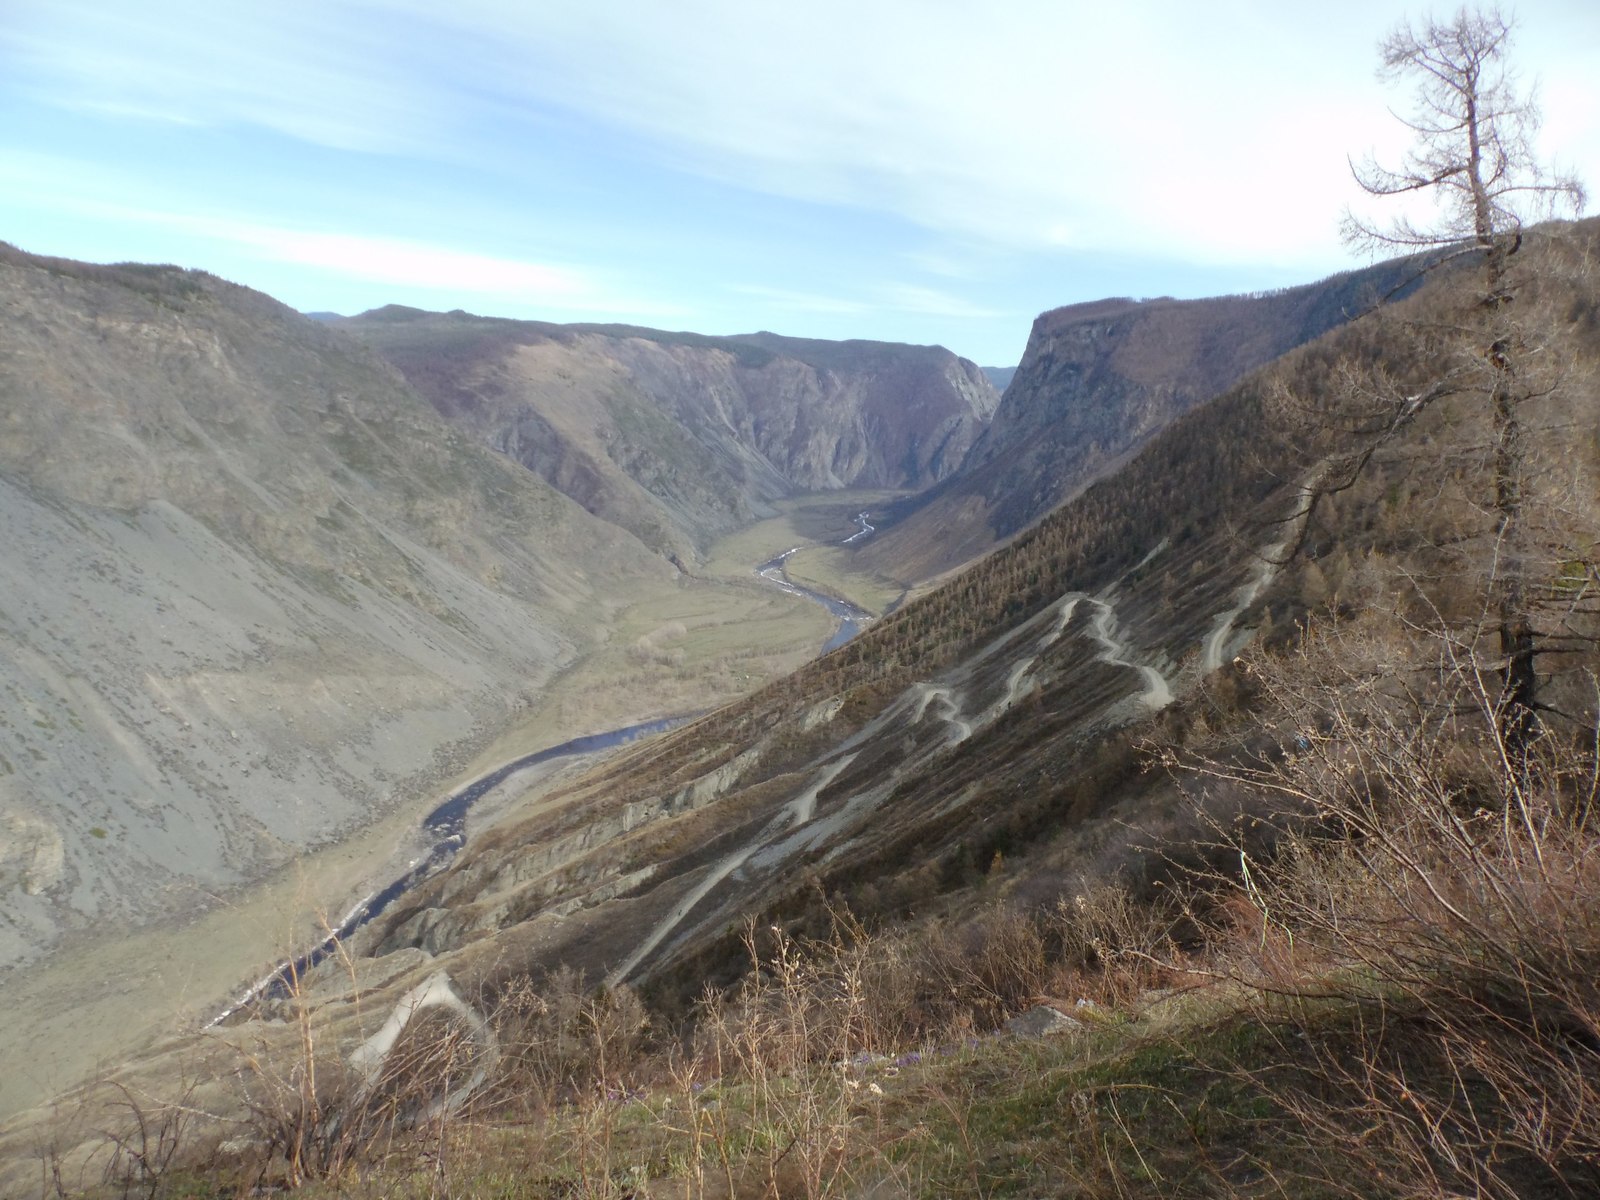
(935, 303)
(375, 259)
(330, 73)
(400, 264)
(946, 265)
(1214, 132)
(894, 297)
(390, 260)
(796, 301)
(602, 156)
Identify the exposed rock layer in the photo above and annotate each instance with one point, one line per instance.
(679, 437)
(253, 587)
(1097, 381)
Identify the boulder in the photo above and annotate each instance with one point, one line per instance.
(1041, 1021)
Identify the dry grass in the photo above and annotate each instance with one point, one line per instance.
(1443, 889)
(1392, 995)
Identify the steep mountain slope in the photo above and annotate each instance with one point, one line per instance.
(999, 714)
(1096, 381)
(253, 590)
(992, 740)
(679, 437)
(959, 726)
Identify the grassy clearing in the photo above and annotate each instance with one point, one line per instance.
(821, 518)
(817, 524)
(684, 648)
(704, 640)
(833, 570)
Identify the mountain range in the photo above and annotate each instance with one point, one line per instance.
(1096, 382)
(680, 438)
(259, 586)
(270, 578)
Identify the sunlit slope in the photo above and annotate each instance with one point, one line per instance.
(1097, 381)
(252, 589)
(997, 715)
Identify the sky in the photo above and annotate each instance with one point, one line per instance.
(909, 170)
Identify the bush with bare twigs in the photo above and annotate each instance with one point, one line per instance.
(1443, 888)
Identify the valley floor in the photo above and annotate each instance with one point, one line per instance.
(696, 644)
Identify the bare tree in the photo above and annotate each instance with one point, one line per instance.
(1473, 155)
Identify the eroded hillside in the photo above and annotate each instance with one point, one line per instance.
(681, 437)
(995, 716)
(255, 589)
(1012, 736)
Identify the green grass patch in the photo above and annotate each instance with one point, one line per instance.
(832, 570)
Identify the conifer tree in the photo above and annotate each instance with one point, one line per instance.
(1473, 156)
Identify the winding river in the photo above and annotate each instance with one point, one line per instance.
(446, 825)
(851, 618)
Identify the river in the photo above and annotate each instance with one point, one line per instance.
(851, 618)
(447, 823)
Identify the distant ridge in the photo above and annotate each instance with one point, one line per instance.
(681, 437)
(1000, 376)
(1097, 381)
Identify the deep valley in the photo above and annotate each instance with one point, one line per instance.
(1124, 650)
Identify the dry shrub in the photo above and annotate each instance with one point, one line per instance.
(295, 1114)
(949, 980)
(799, 1005)
(1118, 946)
(793, 1039)
(1447, 890)
(883, 993)
(116, 1138)
(314, 1110)
(561, 1039)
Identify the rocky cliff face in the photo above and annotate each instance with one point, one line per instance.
(1097, 381)
(679, 437)
(251, 587)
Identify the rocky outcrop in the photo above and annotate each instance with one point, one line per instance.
(1097, 381)
(1042, 1020)
(679, 437)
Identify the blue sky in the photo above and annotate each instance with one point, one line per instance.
(913, 170)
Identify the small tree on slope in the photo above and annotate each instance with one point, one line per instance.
(1473, 155)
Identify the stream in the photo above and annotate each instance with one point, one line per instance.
(446, 825)
(851, 618)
